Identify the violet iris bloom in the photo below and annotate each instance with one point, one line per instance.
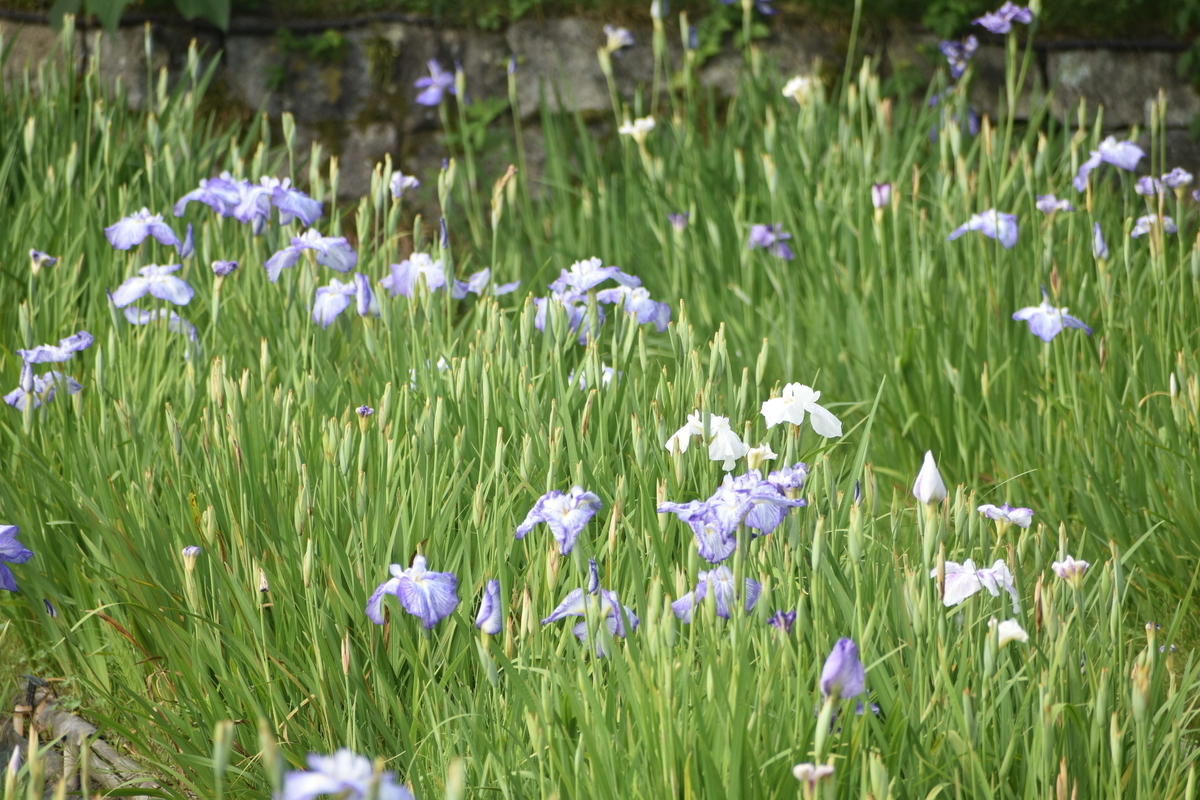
(784, 620)
(41, 388)
(344, 775)
(1178, 178)
(1149, 222)
(617, 38)
(157, 281)
(38, 260)
(428, 595)
(221, 194)
(1123, 155)
(332, 251)
(364, 299)
(1021, 517)
(57, 353)
(843, 675)
(175, 323)
(587, 274)
(750, 499)
(435, 86)
(1046, 321)
(11, 552)
(1148, 187)
(992, 224)
(715, 540)
(132, 230)
(189, 244)
(789, 480)
(722, 584)
(223, 268)
(478, 283)
(403, 280)
(881, 195)
(332, 300)
(679, 221)
(293, 203)
(1001, 20)
(958, 54)
(489, 620)
(565, 515)
(1049, 204)
(772, 238)
(637, 303)
(1099, 248)
(400, 183)
(611, 611)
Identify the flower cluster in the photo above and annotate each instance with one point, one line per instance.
(574, 288)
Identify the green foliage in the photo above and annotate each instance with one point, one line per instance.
(249, 447)
(109, 11)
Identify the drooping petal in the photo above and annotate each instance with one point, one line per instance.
(283, 259)
(489, 618)
(375, 603)
(170, 288)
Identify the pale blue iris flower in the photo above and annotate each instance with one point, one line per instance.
(424, 594)
(490, 619)
(157, 281)
(1046, 321)
(134, 229)
(343, 775)
(57, 353)
(1123, 155)
(721, 583)
(436, 85)
(403, 280)
(565, 515)
(478, 284)
(992, 224)
(11, 552)
(332, 251)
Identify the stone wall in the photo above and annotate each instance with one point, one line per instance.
(360, 103)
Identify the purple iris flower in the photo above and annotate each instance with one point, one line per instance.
(293, 203)
(38, 260)
(364, 299)
(1049, 204)
(565, 515)
(772, 238)
(789, 480)
(428, 595)
(343, 775)
(748, 498)
(1178, 178)
(489, 620)
(1022, 517)
(715, 540)
(364, 411)
(438, 82)
(403, 280)
(1149, 222)
(57, 353)
(958, 54)
(843, 675)
(332, 251)
(221, 194)
(478, 283)
(992, 224)
(254, 200)
(972, 117)
(679, 221)
(1046, 321)
(721, 582)
(53, 612)
(1099, 247)
(11, 552)
(578, 320)
(1001, 20)
(41, 387)
(575, 605)
(1123, 155)
(587, 274)
(637, 303)
(881, 195)
(223, 268)
(157, 281)
(331, 301)
(617, 38)
(1148, 187)
(132, 230)
(175, 323)
(400, 183)
(188, 247)
(784, 620)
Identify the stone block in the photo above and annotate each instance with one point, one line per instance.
(1123, 82)
(559, 54)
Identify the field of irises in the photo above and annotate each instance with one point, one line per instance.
(750, 453)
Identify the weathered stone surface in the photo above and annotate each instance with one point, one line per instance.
(31, 46)
(793, 50)
(559, 53)
(988, 94)
(362, 148)
(1123, 82)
